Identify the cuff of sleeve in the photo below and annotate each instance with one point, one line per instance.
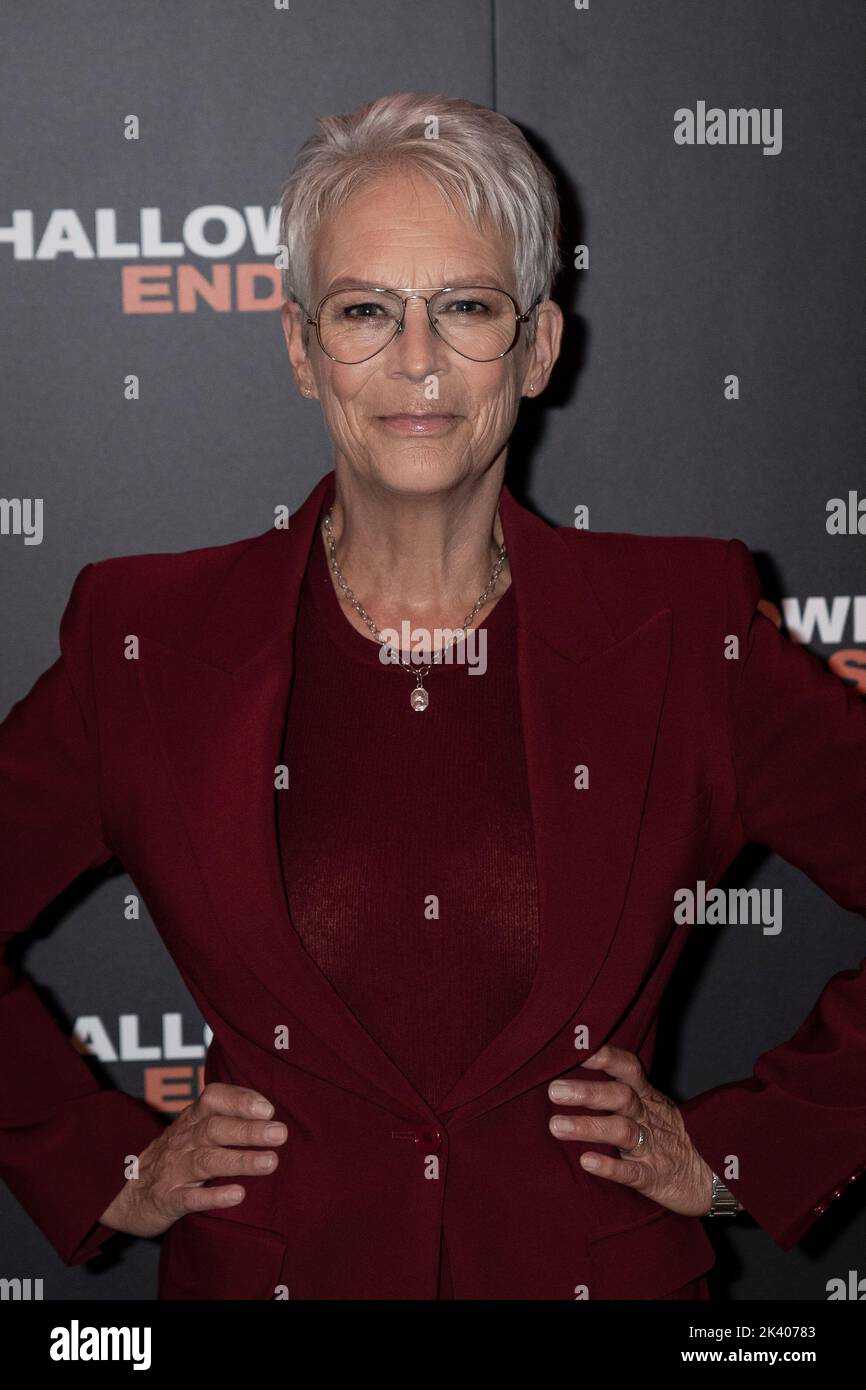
(66, 1171)
(784, 1184)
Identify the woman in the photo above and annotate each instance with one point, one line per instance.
(429, 920)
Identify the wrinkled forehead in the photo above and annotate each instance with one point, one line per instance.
(397, 231)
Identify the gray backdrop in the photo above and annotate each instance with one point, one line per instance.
(705, 260)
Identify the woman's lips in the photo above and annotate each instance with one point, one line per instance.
(418, 424)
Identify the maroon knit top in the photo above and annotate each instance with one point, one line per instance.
(406, 838)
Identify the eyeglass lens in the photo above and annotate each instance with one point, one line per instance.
(355, 324)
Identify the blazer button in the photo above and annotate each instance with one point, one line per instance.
(429, 1136)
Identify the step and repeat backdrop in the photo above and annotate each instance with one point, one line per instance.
(709, 162)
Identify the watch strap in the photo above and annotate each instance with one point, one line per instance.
(723, 1203)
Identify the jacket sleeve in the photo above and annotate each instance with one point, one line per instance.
(63, 1140)
(798, 742)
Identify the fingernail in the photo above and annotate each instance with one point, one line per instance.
(234, 1194)
(589, 1160)
(262, 1108)
(276, 1131)
(560, 1090)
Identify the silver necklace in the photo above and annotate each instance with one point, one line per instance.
(419, 699)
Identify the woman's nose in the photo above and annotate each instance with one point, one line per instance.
(418, 343)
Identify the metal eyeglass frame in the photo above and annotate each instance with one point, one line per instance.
(412, 293)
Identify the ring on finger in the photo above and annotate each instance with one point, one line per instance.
(640, 1147)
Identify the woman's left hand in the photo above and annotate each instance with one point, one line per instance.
(668, 1167)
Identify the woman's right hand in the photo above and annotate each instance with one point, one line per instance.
(192, 1149)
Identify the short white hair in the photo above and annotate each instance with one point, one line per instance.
(479, 161)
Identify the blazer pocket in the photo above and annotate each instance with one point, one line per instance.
(611, 1207)
(208, 1256)
(649, 1258)
(626, 1210)
(668, 821)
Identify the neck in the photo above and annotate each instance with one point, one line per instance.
(425, 558)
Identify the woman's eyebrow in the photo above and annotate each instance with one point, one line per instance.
(346, 282)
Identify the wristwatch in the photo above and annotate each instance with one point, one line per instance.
(724, 1203)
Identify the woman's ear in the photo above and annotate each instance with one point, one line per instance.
(545, 347)
(293, 318)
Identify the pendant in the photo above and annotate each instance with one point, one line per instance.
(419, 699)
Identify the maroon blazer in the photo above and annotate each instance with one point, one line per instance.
(168, 762)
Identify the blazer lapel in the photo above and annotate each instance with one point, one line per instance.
(218, 695)
(590, 696)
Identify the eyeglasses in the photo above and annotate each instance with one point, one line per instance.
(480, 322)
